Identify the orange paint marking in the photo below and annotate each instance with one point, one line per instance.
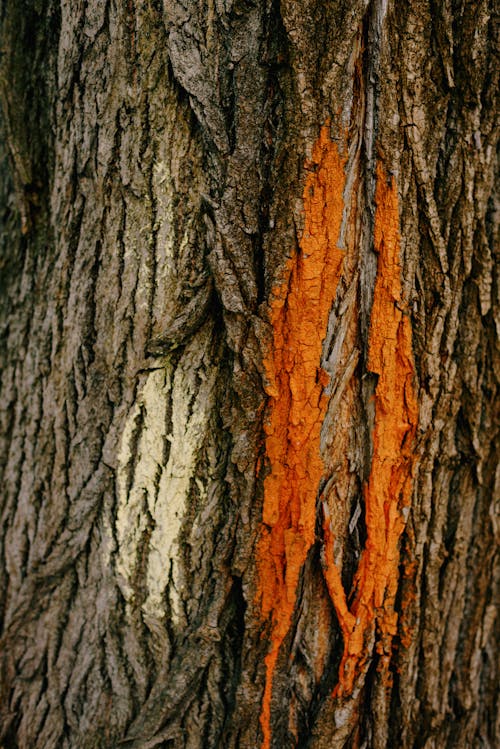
(389, 486)
(297, 405)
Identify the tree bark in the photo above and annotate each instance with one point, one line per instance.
(249, 353)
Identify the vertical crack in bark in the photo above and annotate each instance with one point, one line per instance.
(369, 82)
(299, 317)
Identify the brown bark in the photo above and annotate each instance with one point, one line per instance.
(177, 180)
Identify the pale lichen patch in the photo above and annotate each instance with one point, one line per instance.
(161, 442)
(139, 461)
(192, 401)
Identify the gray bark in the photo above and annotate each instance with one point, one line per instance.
(152, 169)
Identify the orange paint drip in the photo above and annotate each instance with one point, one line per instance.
(297, 405)
(389, 485)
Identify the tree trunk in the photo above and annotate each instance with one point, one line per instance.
(249, 425)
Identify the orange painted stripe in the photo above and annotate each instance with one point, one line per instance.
(297, 406)
(389, 487)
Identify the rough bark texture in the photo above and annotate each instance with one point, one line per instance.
(249, 324)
